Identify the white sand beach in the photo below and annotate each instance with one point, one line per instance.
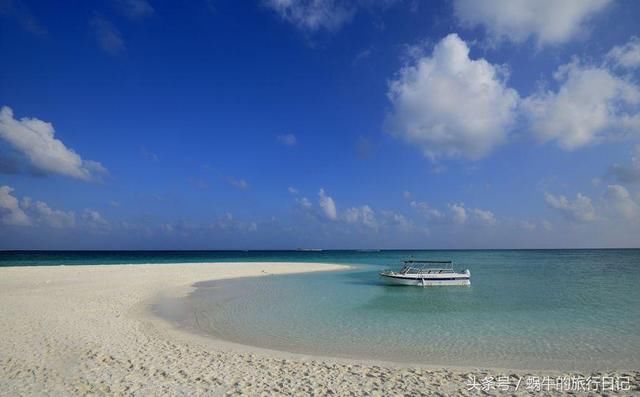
(77, 330)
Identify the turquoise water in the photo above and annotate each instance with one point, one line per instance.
(555, 309)
(564, 310)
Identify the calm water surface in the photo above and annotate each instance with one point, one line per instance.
(556, 309)
(565, 310)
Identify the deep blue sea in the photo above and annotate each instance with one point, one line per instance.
(552, 309)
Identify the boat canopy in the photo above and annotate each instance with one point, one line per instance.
(421, 266)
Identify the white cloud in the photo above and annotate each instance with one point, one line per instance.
(619, 201)
(293, 190)
(363, 215)
(35, 139)
(458, 213)
(629, 174)
(51, 217)
(93, 218)
(314, 15)
(484, 216)
(461, 215)
(108, 36)
(327, 205)
(547, 21)
(287, 139)
(395, 220)
(591, 104)
(580, 210)
(450, 105)
(627, 55)
(10, 211)
(426, 210)
(304, 202)
(27, 212)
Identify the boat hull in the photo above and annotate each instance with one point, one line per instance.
(462, 279)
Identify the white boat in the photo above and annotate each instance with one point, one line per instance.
(427, 273)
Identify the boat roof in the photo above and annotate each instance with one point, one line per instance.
(417, 261)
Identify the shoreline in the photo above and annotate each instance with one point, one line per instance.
(188, 333)
(89, 329)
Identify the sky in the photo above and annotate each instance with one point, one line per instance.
(335, 124)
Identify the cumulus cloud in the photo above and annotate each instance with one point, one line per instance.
(591, 104)
(327, 205)
(619, 201)
(229, 223)
(423, 208)
(314, 15)
(627, 55)
(461, 215)
(397, 221)
(579, 210)
(293, 190)
(93, 218)
(361, 215)
(34, 139)
(458, 213)
(52, 217)
(10, 211)
(448, 104)
(107, 35)
(26, 212)
(287, 139)
(547, 21)
(484, 216)
(627, 174)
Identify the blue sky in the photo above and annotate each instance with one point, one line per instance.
(141, 124)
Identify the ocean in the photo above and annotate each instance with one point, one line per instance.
(529, 309)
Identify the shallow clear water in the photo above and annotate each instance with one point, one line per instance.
(556, 309)
(569, 309)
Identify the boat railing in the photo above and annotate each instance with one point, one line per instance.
(416, 269)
